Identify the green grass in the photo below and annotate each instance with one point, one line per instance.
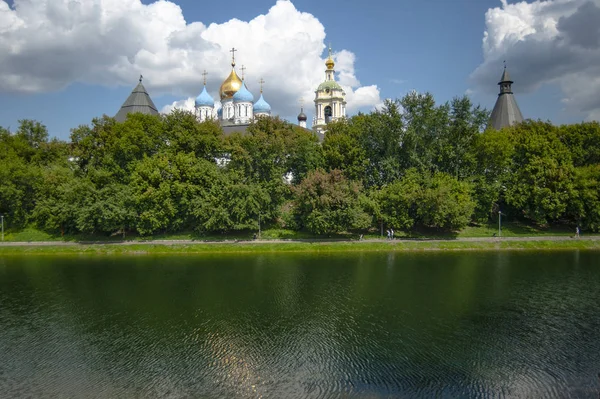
(509, 229)
(514, 229)
(28, 234)
(258, 247)
(33, 235)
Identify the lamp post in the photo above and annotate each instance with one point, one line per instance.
(2, 217)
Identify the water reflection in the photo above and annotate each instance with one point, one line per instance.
(365, 325)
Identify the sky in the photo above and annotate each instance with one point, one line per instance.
(65, 62)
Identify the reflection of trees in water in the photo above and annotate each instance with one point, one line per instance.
(244, 325)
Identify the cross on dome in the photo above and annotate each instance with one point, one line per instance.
(329, 62)
(243, 69)
(232, 51)
(204, 76)
(261, 82)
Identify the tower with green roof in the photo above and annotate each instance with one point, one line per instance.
(330, 99)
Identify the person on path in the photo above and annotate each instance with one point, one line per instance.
(391, 234)
(388, 234)
(577, 232)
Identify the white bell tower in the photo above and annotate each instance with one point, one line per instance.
(330, 99)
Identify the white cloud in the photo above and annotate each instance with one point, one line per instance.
(363, 97)
(185, 105)
(545, 42)
(45, 45)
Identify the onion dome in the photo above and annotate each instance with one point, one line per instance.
(243, 95)
(329, 63)
(204, 99)
(261, 106)
(230, 86)
(302, 116)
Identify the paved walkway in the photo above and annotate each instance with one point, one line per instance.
(283, 241)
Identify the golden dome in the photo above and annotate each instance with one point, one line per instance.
(329, 63)
(230, 85)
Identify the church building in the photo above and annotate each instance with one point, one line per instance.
(238, 108)
(330, 99)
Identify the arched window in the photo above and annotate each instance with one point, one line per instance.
(328, 114)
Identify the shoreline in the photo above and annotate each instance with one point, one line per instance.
(306, 245)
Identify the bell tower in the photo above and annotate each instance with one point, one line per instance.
(330, 99)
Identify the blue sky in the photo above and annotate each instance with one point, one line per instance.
(389, 48)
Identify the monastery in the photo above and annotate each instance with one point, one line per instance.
(238, 109)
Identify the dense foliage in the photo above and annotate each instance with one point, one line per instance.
(414, 164)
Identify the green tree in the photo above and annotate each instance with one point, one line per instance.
(58, 199)
(327, 203)
(164, 188)
(185, 134)
(115, 147)
(305, 155)
(425, 123)
(109, 209)
(398, 201)
(265, 156)
(92, 144)
(436, 200)
(457, 154)
(445, 203)
(17, 189)
(494, 151)
(584, 204)
(583, 141)
(342, 150)
(33, 132)
(541, 182)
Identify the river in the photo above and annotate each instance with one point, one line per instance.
(372, 325)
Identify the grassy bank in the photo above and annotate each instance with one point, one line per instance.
(271, 247)
(509, 229)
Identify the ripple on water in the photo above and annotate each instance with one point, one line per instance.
(347, 331)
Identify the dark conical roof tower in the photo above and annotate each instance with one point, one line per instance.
(506, 111)
(138, 101)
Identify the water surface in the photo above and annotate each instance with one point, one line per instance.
(489, 324)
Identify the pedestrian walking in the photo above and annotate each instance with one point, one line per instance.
(577, 232)
(391, 234)
(388, 234)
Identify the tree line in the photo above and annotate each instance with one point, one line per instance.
(414, 164)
